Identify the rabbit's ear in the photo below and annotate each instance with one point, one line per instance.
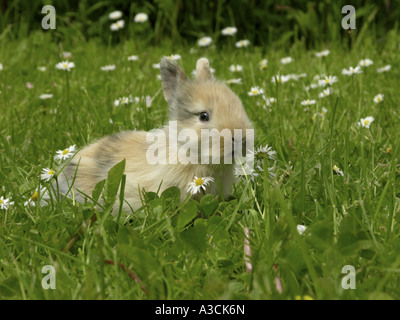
(203, 72)
(172, 77)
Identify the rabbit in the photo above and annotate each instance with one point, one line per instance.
(200, 103)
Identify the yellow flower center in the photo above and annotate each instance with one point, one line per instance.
(335, 167)
(65, 151)
(198, 182)
(51, 172)
(34, 196)
(1, 201)
(366, 122)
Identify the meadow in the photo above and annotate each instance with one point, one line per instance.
(325, 196)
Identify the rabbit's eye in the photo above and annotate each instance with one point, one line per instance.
(204, 116)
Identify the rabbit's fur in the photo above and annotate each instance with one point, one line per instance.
(186, 98)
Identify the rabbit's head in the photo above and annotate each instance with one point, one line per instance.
(204, 103)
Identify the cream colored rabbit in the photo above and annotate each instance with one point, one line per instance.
(201, 103)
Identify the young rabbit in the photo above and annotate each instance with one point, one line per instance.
(201, 103)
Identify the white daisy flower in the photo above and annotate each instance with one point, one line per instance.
(141, 17)
(47, 174)
(115, 15)
(286, 60)
(337, 170)
(5, 203)
(204, 41)
(174, 57)
(301, 229)
(263, 64)
(65, 154)
(366, 122)
(242, 43)
(265, 151)
(352, 71)
(308, 102)
(109, 67)
(45, 96)
(65, 65)
(378, 98)
(133, 58)
(384, 69)
(255, 91)
(67, 55)
(199, 184)
(323, 53)
(365, 63)
(229, 31)
(117, 25)
(234, 81)
(236, 68)
(325, 93)
(156, 65)
(42, 69)
(279, 79)
(327, 80)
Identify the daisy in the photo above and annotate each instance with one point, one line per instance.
(45, 96)
(199, 184)
(229, 31)
(235, 68)
(307, 102)
(325, 93)
(378, 98)
(286, 60)
(352, 71)
(323, 53)
(42, 69)
(109, 67)
(280, 79)
(133, 58)
(255, 91)
(140, 18)
(263, 64)
(337, 170)
(65, 65)
(245, 170)
(204, 41)
(67, 55)
(242, 43)
(124, 100)
(269, 101)
(366, 122)
(5, 203)
(234, 81)
(365, 63)
(115, 15)
(65, 154)
(328, 80)
(47, 174)
(384, 69)
(156, 65)
(117, 25)
(174, 57)
(301, 229)
(265, 151)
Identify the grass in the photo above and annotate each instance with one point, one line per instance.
(195, 250)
